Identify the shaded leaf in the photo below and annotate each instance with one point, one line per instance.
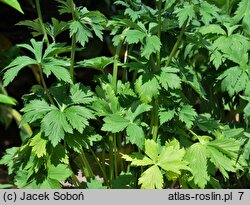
(54, 125)
(166, 116)
(187, 115)
(147, 87)
(15, 66)
(152, 45)
(134, 36)
(99, 63)
(169, 78)
(114, 123)
(35, 110)
(60, 172)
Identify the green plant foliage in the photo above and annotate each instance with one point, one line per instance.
(170, 158)
(166, 106)
(7, 99)
(222, 153)
(14, 4)
(43, 61)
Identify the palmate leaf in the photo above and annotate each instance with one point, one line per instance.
(65, 7)
(15, 66)
(197, 157)
(87, 22)
(45, 61)
(166, 115)
(186, 13)
(78, 117)
(138, 159)
(169, 158)
(82, 32)
(38, 145)
(95, 19)
(56, 122)
(212, 29)
(152, 150)
(57, 67)
(234, 47)
(33, 25)
(208, 12)
(151, 178)
(54, 125)
(187, 115)
(99, 63)
(59, 173)
(221, 161)
(222, 153)
(134, 36)
(80, 94)
(35, 110)
(242, 12)
(234, 80)
(152, 45)
(55, 48)
(141, 108)
(114, 123)
(147, 87)
(8, 157)
(169, 78)
(56, 27)
(135, 135)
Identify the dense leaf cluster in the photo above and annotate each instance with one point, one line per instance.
(159, 119)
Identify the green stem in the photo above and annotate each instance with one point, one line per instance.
(155, 110)
(40, 17)
(119, 145)
(177, 44)
(111, 158)
(193, 133)
(100, 166)
(156, 119)
(2, 89)
(103, 158)
(73, 43)
(115, 65)
(125, 70)
(89, 173)
(72, 57)
(228, 6)
(159, 34)
(45, 86)
(75, 181)
(115, 155)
